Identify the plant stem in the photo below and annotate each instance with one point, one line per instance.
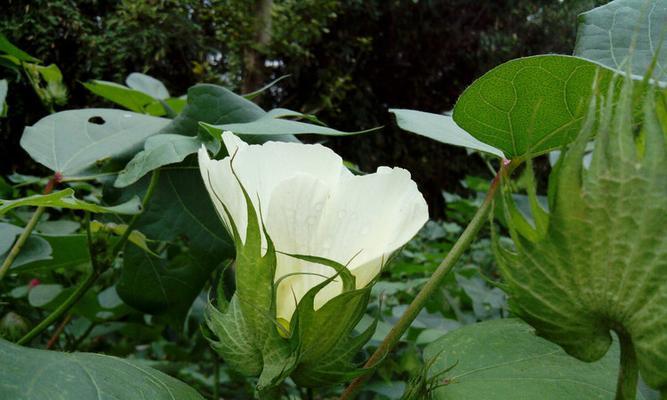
(216, 376)
(429, 288)
(628, 374)
(155, 177)
(59, 330)
(62, 308)
(98, 266)
(34, 219)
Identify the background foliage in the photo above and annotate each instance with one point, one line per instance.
(348, 60)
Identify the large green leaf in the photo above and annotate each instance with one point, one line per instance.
(626, 35)
(29, 374)
(599, 262)
(161, 150)
(505, 360)
(158, 286)
(71, 142)
(180, 209)
(531, 105)
(65, 199)
(441, 128)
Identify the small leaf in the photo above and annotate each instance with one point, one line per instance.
(68, 251)
(71, 142)
(441, 128)
(49, 375)
(133, 100)
(275, 123)
(625, 35)
(161, 150)
(499, 359)
(8, 48)
(135, 237)
(65, 199)
(530, 106)
(147, 84)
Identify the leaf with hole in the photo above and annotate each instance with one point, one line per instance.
(74, 142)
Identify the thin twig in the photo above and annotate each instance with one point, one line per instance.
(58, 331)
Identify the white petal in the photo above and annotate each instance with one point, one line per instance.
(358, 223)
(223, 187)
(371, 216)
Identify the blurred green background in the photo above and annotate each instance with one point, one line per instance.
(348, 61)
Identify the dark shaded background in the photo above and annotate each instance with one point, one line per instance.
(349, 61)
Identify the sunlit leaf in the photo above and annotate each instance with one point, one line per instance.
(530, 106)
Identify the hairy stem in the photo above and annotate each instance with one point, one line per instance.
(34, 219)
(628, 374)
(429, 288)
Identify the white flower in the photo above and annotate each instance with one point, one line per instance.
(312, 205)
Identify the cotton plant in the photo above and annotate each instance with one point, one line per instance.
(311, 238)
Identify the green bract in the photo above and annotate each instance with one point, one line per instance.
(597, 261)
(310, 240)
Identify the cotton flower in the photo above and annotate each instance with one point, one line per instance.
(312, 205)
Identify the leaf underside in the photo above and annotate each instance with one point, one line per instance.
(601, 263)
